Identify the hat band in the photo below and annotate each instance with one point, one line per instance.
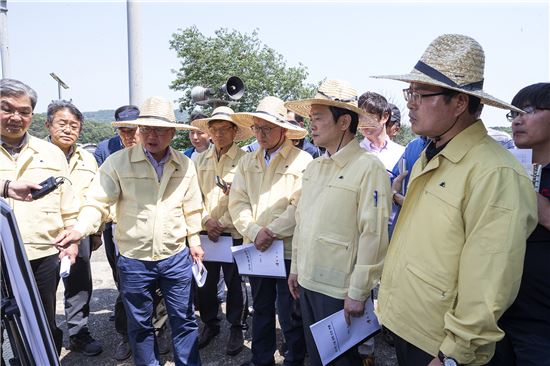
(437, 75)
(269, 114)
(348, 100)
(157, 117)
(220, 113)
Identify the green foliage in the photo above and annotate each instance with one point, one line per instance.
(92, 131)
(405, 135)
(210, 61)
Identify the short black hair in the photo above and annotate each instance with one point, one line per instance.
(473, 102)
(535, 95)
(58, 105)
(374, 103)
(337, 112)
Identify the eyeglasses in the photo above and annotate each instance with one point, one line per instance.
(8, 110)
(416, 98)
(512, 115)
(262, 130)
(63, 125)
(159, 131)
(220, 130)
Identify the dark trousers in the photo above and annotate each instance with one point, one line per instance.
(316, 306)
(408, 354)
(138, 282)
(78, 291)
(208, 294)
(46, 274)
(265, 293)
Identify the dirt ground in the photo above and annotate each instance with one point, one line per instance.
(103, 329)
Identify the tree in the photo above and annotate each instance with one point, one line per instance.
(210, 61)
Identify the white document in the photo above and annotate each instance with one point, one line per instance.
(200, 273)
(65, 267)
(525, 157)
(219, 251)
(333, 336)
(252, 262)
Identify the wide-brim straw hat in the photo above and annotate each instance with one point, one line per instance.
(156, 112)
(336, 93)
(456, 62)
(224, 114)
(272, 110)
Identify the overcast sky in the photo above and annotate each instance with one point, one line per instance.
(85, 43)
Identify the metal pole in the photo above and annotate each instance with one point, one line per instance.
(4, 48)
(59, 91)
(134, 52)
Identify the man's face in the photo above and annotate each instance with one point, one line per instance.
(222, 133)
(15, 117)
(199, 139)
(156, 139)
(374, 129)
(64, 129)
(431, 116)
(393, 130)
(531, 130)
(267, 140)
(128, 136)
(324, 129)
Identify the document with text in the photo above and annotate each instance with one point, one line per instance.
(252, 262)
(219, 251)
(333, 336)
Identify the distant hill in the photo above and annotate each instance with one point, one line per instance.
(108, 116)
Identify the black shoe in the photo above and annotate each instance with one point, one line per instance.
(235, 342)
(207, 334)
(85, 344)
(163, 340)
(123, 350)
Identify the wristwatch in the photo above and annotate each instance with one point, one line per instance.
(447, 361)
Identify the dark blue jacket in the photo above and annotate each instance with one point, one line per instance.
(106, 148)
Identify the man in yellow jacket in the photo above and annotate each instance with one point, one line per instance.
(158, 212)
(64, 124)
(220, 161)
(24, 157)
(262, 204)
(341, 232)
(455, 260)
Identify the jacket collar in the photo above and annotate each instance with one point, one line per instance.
(349, 152)
(231, 153)
(459, 146)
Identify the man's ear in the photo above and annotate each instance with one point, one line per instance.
(344, 121)
(462, 101)
(385, 118)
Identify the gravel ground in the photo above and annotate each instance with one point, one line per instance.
(103, 330)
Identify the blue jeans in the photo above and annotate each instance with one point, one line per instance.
(138, 281)
(265, 292)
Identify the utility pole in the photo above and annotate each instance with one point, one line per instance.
(4, 48)
(60, 84)
(134, 52)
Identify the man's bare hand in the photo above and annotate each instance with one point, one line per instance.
(196, 253)
(435, 362)
(264, 239)
(21, 190)
(67, 237)
(214, 228)
(227, 189)
(353, 308)
(95, 242)
(293, 285)
(71, 251)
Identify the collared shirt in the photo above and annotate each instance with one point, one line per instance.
(155, 219)
(215, 201)
(14, 150)
(341, 232)
(42, 220)
(268, 156)
(455, 260)
(266, 196)
(389, 153)
(72, 149)
(158, 165)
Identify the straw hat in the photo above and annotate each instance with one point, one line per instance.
(336, 93)
(272, 110)
(156, 112)
(224, 114)
(453, 61)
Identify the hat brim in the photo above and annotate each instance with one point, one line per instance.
(118, 124)
(154, 122)
(292, 132)
(417, 77)
(243, 131)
